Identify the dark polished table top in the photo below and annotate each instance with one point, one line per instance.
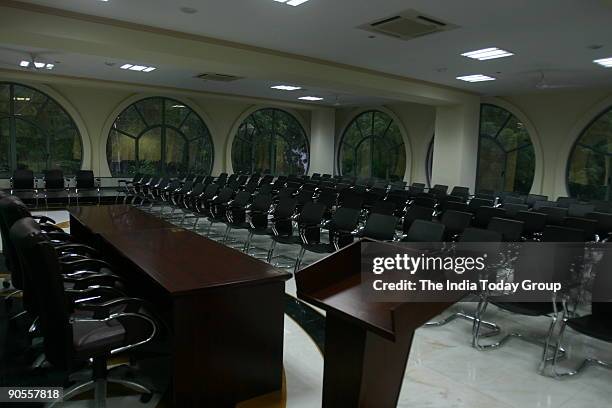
(180, 261)
(114, 218)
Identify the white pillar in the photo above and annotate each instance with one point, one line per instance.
(456, 145)
(322, 131)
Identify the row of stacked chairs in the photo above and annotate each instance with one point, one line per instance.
(73, 301)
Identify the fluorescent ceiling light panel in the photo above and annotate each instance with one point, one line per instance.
(24, 64)
(475, 78)
(49, 66)
(604, 62)
(310, 98)
(149, 69)
(286, 87)
(39, 64)
(137, 68)
(178, 106)
(292, 2)
(126, 66)
(487, 54)
(140, 68)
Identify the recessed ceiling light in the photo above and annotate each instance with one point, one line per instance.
(286, 87)
(292, 2)
(475, 78)
(604, 62)
(310, 98)
(178, 106)
(487, 54)
(39, 64)
(141, 68)
(24, 64)
(49, 66)
(21, 98)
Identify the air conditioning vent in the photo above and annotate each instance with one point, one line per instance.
(211, 76)
(408, 25)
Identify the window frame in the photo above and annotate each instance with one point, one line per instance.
(500, 146)
(393, 120)
(576, 143)
(163, 126)
(12, 118)
(272, 145)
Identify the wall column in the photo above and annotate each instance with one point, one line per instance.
(456, 145)
(322, 130)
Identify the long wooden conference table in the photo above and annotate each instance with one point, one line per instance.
(224, 308)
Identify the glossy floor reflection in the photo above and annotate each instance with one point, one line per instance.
(444, 371)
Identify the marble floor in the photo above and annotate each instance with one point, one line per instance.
(443, 371)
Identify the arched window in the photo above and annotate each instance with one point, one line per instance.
(589, 171)
(506, 159)
(429, 162)
(36, 133)
(270, 141)
(159, 136)
(373, 146)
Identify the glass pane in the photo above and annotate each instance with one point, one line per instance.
(492, 118)
(176, 154)
(5, 143)
(121, 154)
(514, 135)
(382, 157)
(525, 170)
(200, 156)
(66, 151)
(175, 112)
(149, 152)
(54, 119)
(130, 121)
(31, 147)
(194, 127)
(151, 110)
(491, 166)
(5, 95)
(598, 135)
(28, 101)
(242, 149)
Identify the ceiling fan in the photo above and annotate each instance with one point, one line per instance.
(27, 60)
(543, 83)
(35, 62)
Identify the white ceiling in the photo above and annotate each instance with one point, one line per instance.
(548, 36)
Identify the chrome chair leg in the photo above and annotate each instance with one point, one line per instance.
(72, 392)
(298, 260)
(131, 385)
(494, 328)
(271, 251)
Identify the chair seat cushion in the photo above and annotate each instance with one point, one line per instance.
(97, 338)
(593, 327)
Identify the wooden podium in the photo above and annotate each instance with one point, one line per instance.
(366, 343)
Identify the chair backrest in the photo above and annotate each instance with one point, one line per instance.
(554, 233)
(513, 209)
(425, 200)
(285, 208)
(241, 200)
(439, 188)
(460, 191)
(345, 219)
(456, 221)
(266, 188)
(43, 271)
(54, 179)
(416, 212)
(565, 202)
(224, 196)
(587, 225)
(543, 203)
(532, 221)
(304, 196)
(85, 179)
(580, 210)
(456, 206)
(480, 235)
(425, 231)
(484, 215)
(312, 213)
(261, 203)
(287, 192)
(419, 186)
(11, 211)
(210, 191)
(380, 227)
(604, 222)
(23, 179)
(384, 207)
(532, 198)
(350, 198)
(510, 230)
(554, 215)
(480, 202)
(515, 200)
(328, 196)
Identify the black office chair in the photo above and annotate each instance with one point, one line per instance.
(379, 227)
(86, 183)
(55, 186)
(455, 222)
(580, 210)
(585, 224)
(511, 199)
(257, 221)
(95, 333)
(383, 207)
(604, 224)
(533, 198)
(310, 216)
(439, 189)
(565, 202)
(22, 185)
(425, 231)
(538, 205)
(413, 213)
(235, 213)
(340, 227)
(533, 223)
(484, 215)
(125, 187)
(554, 215)
(513, 209)
(510, 230)
(597, 324)
(217, 210)
(460, 191)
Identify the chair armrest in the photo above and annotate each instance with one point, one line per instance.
(50, 228)
(98, 279)
(79, 249)
(102, 310)
(58, 236)
(79, 264)
(43, 219)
